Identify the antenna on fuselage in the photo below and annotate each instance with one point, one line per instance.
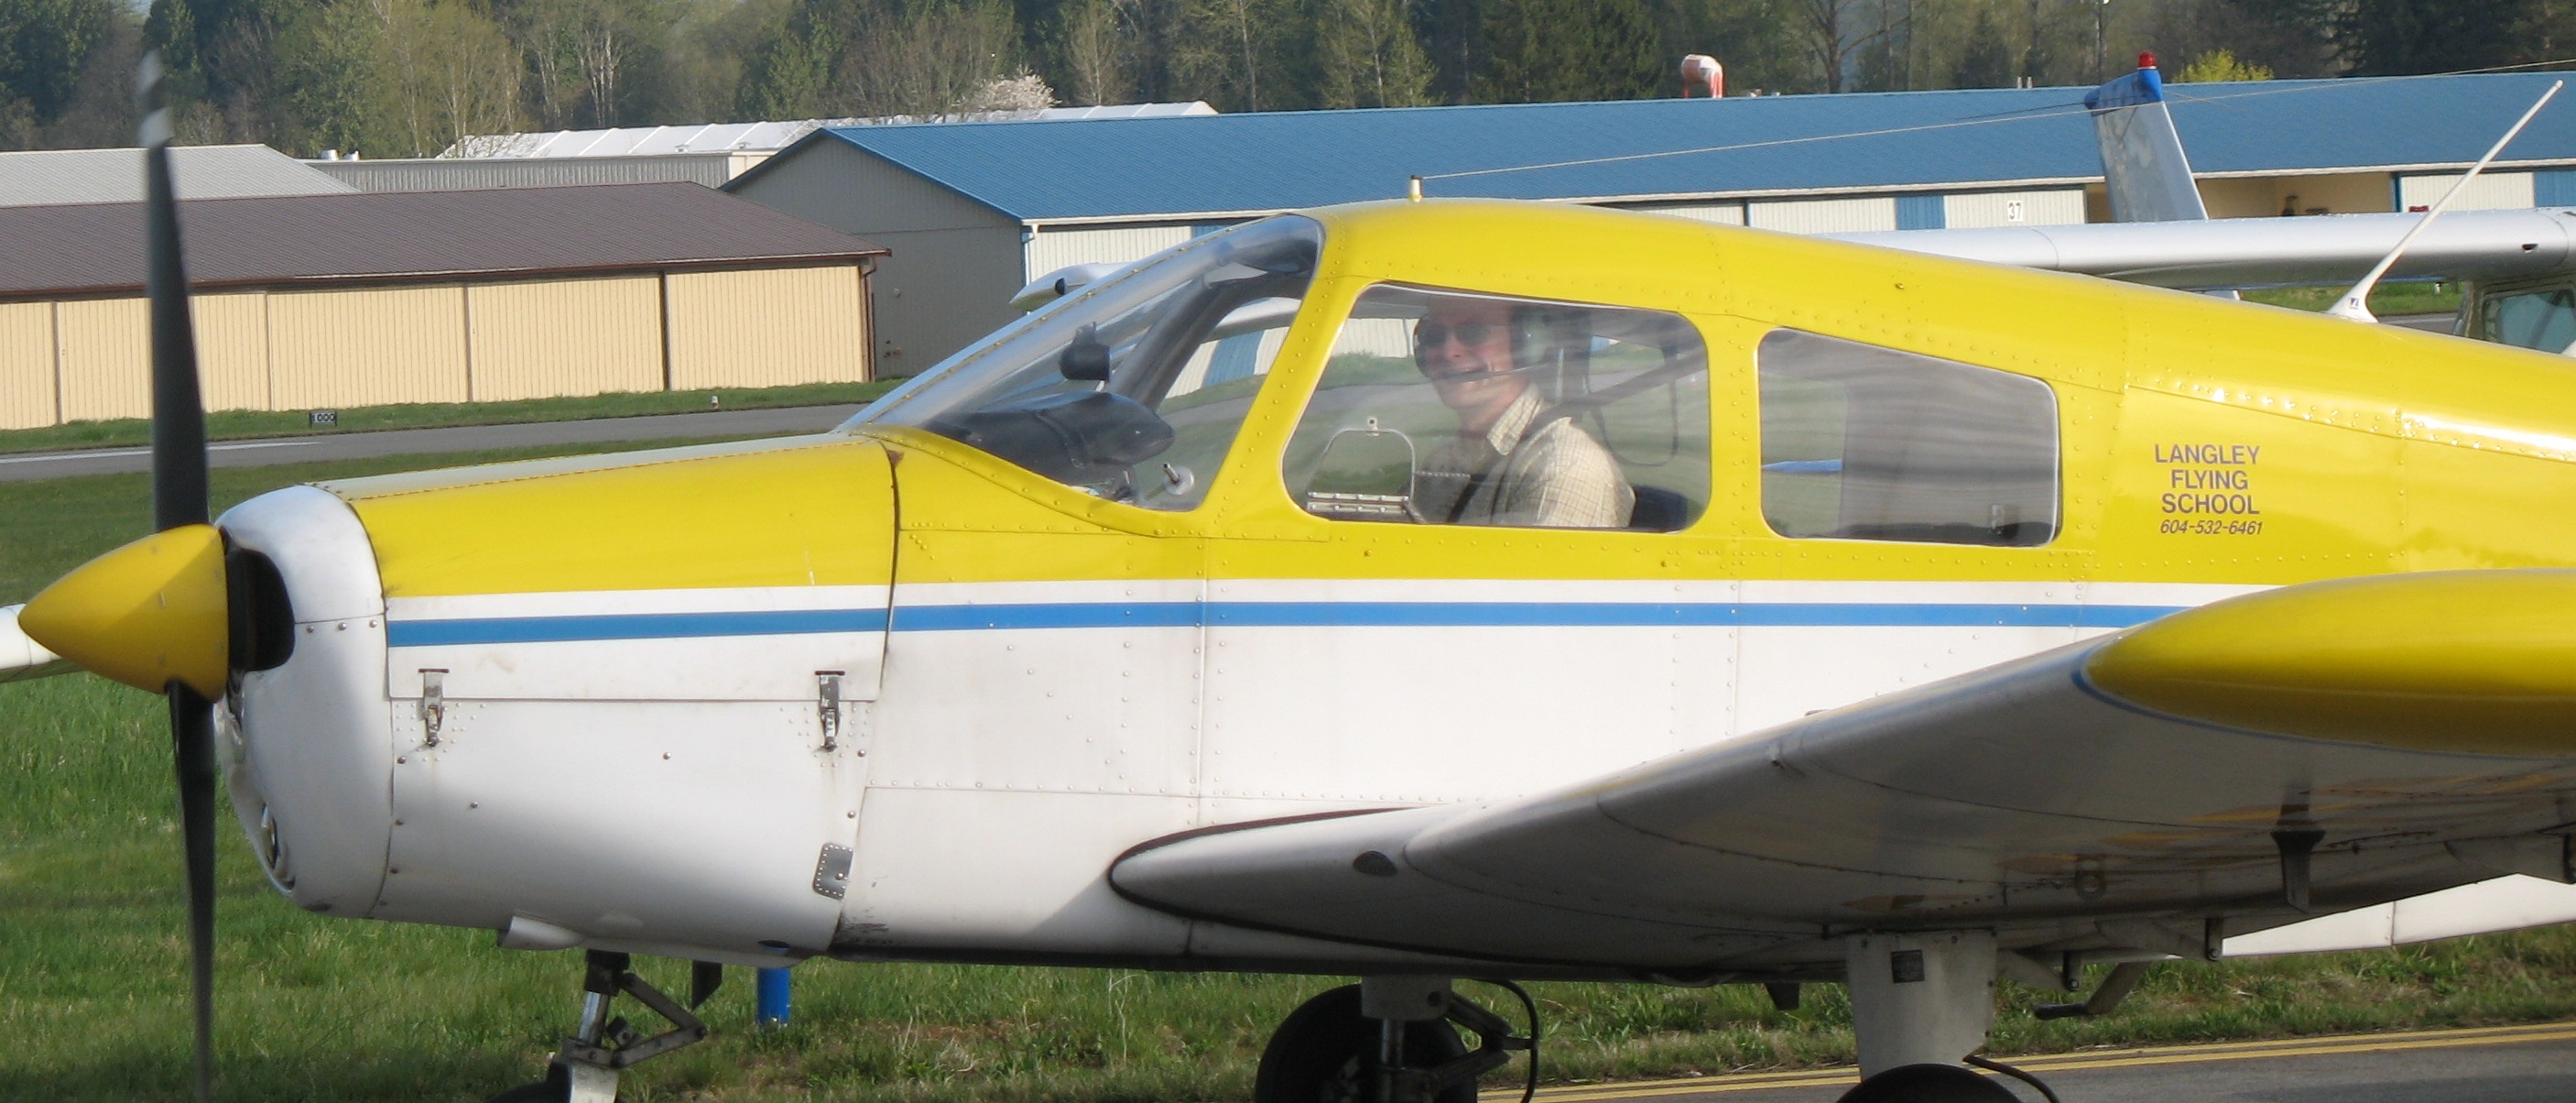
(2355, 303)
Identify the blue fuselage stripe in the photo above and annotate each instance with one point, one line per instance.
(630, 626)
(1269, 614)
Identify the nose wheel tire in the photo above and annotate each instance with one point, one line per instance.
(543, 1091)
(1928, 1084)
(1327, 1052)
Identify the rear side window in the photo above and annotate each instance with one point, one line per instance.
(2543, 320)
(1868, 443)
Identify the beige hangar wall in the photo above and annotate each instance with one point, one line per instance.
(328, 348)
(766, 328)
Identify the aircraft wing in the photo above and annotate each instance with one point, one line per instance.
(2350, 742)
(2259, 252)
(22, 658)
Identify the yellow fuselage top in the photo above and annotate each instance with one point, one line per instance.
(2351, 449)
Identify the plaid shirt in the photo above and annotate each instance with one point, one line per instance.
(1556, 477)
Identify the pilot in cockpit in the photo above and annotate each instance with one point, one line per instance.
(1515, 461)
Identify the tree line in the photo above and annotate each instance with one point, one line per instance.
(403, 78)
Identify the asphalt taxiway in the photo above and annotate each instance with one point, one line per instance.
(2520, 1064)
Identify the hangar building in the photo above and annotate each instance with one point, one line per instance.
(356, 299)
(708, 153)
(975, 212)
(30, 178)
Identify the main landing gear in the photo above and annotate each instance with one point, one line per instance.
(1921, 1006)
(1388, 1040)
(585, 1067)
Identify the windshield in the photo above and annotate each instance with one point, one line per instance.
(1131, 389)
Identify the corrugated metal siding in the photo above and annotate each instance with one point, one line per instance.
(1053, 249)
(710, 169)
(766, 328)
(232, 349)
(1822, 216)
(1729, 214)
(367, 347)
(2053, 207)
(104, 358)
(571, 337)
(2491, 191)
(26, 365)
(954, 264)
(2553, 188)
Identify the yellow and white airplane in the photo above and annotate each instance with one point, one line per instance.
(1813, 613)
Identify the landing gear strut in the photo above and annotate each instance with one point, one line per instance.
(1921, 1005)
(1386, 1040)
(584, 1069)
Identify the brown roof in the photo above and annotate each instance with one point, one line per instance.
(273, 240)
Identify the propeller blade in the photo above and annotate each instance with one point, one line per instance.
(178, 413)
(179, 499)
(192, 735)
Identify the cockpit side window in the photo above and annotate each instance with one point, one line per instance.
(1868, 443)
(1446, 407)
(2543, 319)
(1134, 389)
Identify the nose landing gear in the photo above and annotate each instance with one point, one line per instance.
(584, 1069)
(1388, 1040)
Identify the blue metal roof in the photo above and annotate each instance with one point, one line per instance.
(1894, 140)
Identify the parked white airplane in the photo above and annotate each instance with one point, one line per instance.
(1419, 591)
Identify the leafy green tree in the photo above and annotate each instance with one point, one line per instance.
(1234, 53)
(326, 96)
(582, 55)
(1154, 33)
(2391, 37)
(2217, 65)
(1449, 33)
(1541, 51)
(789, 76)
(704, 59)
(1368, 57)
(447, 72)
(1093, 51)
(44, 45)
(1887, 51)
(1756, 40)
(1987, 59)
(934, 60)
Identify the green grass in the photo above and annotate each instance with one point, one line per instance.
(241, 424)
(92, 988)
(2388, 300)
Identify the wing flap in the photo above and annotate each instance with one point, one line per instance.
(2100, 784)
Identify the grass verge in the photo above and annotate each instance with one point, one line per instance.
(93, 989)
(242, 424)
(2388, 300)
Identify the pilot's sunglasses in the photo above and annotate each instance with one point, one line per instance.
(1433, 334)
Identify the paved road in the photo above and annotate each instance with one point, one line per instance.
(474, 438)
(2429, 323)
(2500, 1065)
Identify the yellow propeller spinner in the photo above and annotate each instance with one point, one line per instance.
(147, 614)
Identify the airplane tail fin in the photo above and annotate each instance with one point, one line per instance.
(2143, 167)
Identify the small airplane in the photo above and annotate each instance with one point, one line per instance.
(1419, 591)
